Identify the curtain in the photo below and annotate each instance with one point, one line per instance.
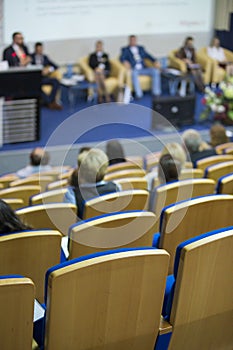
(223, 9)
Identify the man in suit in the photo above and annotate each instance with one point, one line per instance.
(133, 57)
(49, 67)
(17, 53)
(99, 62)
(187, 54)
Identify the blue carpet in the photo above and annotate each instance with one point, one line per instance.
(134, 121)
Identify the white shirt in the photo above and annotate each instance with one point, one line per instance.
(216, 53)
(137, 57)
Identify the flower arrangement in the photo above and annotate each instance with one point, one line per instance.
(219, 103)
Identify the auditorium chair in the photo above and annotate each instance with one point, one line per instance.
(191, 174)
(124, 173)
(217, 73)
(17, 307)
(110, 300)
(14, 203)
(112, 231)
(115, 202)
(225, 184)
(53, 196)
(205, 162)
(205, 63)
(198, 298)
(135, 160)
(55, 172)
(22, 192)
(113, 82)
(30, 253)
(6, 179)
(164, 195)
(47, 88)
(136, 183)
(122, 166)
(54, 216)
(57, 184)
(229, 151)
(220, 149)
(218, 170)
(187, 219)
(151, 160)
(37, 180)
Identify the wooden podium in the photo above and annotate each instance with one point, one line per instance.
(20, 90)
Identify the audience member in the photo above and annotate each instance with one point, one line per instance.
(99, 62)
(133, 57)
(187, 54)
(216, 52)
(196, 147)
(218, 135)
(88, 180)
(39, 162)
(17, 53)
(168, 169)
(49, 67)
(115, 152)
(9, 221)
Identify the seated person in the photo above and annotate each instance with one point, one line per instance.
(39, 162)
(168, 169)
(88, 180)
(9, 221)
(187, 54)
(133, 56)
(216, 52)
(49, 66)
(17, 53)
(218, 135)
(196, 147)
(99, 62)
(115, 152)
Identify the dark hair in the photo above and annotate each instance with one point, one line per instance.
(39, 158)
(73, 179)
(187, 39)
(38, 44)
(132, 36)
(84, 149)
(14, 34)
(115, 152)
(9, 221)
(168, 169)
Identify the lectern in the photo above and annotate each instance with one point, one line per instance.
(20, 90)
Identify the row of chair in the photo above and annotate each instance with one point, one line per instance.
(114, 299)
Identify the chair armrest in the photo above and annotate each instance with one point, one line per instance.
(87, 70)
(206, 64)
(229, 55)
(119, 71)
(177, 63)
(155, 242)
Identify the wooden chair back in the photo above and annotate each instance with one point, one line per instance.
(136, 160)
(191, 218)
(41, 181)
(16, 320)
(135, 183)
(53, 216)
(216, 171)
(205, 162)
(205, 276)
(22, 192)
(229, 151)
(129, 230)
(116, 202)
(220, 149)
(191, 174)
(151, 160)
(5, 180)
(31, 254)
(57, 184)
(225, 185)
(55, 196)
(106, 302)
(121, 174)
(122, 166)
(14, 203)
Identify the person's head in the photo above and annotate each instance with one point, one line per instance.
(9, 221)
(168, 169)
(192, 140)
(99, 46)
(82, 153)
(218, 135)
(115, 152)
(17, 38)
(73, 180)
(132, 40)
(215, 42)
(176, 151)
(189, 42)
(93, 166)
(39, 48)
(39, 157)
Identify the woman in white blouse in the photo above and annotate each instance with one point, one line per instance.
(216, 52)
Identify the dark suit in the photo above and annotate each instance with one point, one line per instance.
(11, 57)
(190, 54)
(46, 80)
(138, 66)
(95, 60)
(202, 154)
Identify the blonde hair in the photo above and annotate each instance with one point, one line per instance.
(176, 151)
(93, 166)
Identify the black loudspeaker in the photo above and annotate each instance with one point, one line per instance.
(177, 110)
